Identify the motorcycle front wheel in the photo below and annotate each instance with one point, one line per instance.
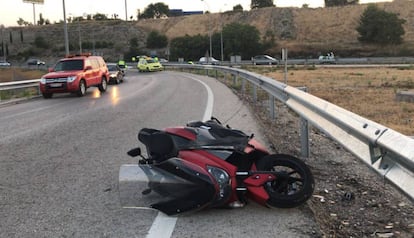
(294, 183)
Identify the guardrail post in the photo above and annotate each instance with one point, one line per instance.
(304, 133)
(243, 85)
(304, 137)
(254, 93)
(272, 106)
(234, 80)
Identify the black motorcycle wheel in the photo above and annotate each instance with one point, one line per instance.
(294, 181)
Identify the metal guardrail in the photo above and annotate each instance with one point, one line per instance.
(18, 85)
(389, 153)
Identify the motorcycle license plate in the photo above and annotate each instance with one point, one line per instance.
(55, 85)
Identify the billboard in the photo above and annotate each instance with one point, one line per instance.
(35, 1)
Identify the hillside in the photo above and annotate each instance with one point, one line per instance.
(305, 32)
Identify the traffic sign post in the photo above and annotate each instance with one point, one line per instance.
(34, 12)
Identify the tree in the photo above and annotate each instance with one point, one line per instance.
(156, 40)
(100, 17)
(20, 22)
(40, 42)
(333, 3)
(246, 48)
(134, 49)
(77, 19)
(41, 20)
(189, 47)
(194, 47)
(261, 3)
(380, 27)
(238, 8)
(156, 10)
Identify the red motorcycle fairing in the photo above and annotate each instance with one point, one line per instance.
(182, 131)
(254, 185)
(204, 160)
(174, 186)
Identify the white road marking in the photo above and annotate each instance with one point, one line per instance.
(210, 101)
(163, 225)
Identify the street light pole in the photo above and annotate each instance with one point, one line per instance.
(3, 47)
(221, 35)
(80, 37)
(126, 14)
(221, 44)
(209, 32)
(34, 15)
(65, 29)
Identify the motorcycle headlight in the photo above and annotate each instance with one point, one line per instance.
(223, 180)
(71, 79)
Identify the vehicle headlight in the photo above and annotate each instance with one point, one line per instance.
(112, 75)
(42, 80)
(71, 79)
(223, 180)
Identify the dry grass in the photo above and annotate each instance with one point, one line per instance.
(17, 74)
(369, 92)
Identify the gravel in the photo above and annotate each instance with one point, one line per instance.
(349, 200)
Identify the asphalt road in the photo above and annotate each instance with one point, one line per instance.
(60, 159)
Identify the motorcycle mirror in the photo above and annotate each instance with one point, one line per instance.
(134, 152)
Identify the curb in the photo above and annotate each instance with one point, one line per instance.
(4, 103)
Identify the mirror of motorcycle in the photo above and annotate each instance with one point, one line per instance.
(134, 152)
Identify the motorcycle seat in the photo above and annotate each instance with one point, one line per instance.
(217, 130)
(160, 145)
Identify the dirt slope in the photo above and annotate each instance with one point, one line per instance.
(305, 32)
(299, 29)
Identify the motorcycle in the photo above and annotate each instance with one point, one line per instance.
(206, 165)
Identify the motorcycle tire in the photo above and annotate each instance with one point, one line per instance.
(293, 186)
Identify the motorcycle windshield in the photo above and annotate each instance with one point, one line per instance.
(172, 187)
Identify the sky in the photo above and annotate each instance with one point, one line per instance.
(12, 10)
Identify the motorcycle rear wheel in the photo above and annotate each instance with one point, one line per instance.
(294, 183)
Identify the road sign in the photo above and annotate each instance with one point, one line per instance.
(34, 1)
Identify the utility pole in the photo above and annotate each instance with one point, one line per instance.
(3, 47)
(126, 14)
(34, 15)
(80, 37)
(209, 31)
(34, 11)
(65, 29)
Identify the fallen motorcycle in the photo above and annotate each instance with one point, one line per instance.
(207, 164)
